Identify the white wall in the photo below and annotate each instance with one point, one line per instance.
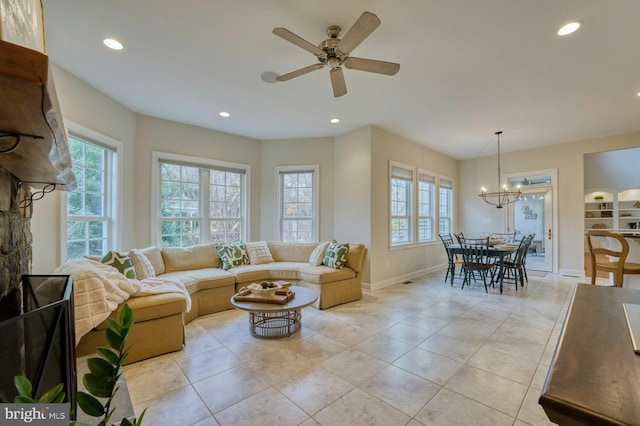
(612, 169)
(310, 151)
(90, 108)
(474, 215)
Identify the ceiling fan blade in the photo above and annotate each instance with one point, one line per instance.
(337, 82)
(370, 65)
(298, 41)
(298, 73)
(366, 23)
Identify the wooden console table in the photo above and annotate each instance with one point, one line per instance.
(594, 377)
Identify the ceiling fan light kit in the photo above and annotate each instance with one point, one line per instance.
(334, 53)
(501, 197)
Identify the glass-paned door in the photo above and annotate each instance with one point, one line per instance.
(532, 214)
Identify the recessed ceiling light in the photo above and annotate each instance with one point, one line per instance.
(335, 120)
(569, 28)
(224, 114)
(112, 43)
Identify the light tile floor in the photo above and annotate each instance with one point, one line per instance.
(423, 353)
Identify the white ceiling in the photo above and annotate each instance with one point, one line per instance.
(468, 67)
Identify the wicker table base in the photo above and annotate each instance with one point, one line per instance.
(274, 324)
(273, 320)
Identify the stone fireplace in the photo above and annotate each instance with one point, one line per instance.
(15, 234)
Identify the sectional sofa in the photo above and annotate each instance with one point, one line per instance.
(160, 318)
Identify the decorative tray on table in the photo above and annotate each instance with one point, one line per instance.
(279, 293)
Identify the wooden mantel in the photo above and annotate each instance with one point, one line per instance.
(29, 108)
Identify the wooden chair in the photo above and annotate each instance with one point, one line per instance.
(617, 266)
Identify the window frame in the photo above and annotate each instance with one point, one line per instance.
(158, 157)
(314, 169)
(431, 217)
(113, 180)
(451, 188)
(402, 172)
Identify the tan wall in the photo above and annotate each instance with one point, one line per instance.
(352, 190)
(90, 108)
(475, 216)
(310, 151)
(394, 265)
(155, 134)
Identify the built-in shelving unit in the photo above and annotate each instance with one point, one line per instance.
(618, 209)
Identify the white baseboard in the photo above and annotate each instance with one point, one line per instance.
(572, 272)
(401, 278)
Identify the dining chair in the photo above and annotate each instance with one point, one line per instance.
(459, 236)
(476, 261)
(524, 259)
(507, 237)
(515, 265)
(483, 241)
(612, 260)
(453, 260)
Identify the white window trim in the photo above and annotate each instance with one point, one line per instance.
(453, 202)
(316, 191)
(435, 216)
(412, 208)
(158, 156)
(113, 174)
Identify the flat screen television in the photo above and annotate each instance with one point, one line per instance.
(38, 337)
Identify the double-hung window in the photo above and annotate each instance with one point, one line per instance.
(401, 204)
(446, 205)
(91, 209)
(298, 203)
(420, 203)
(426, 205)
(200, 201)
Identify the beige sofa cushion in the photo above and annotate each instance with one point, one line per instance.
(355, 256)
(291, 252)
(154, 256)
(151, 307)
(268, 271)
(187, 258)
(324, 274)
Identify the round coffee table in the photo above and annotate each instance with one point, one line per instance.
(271, 320)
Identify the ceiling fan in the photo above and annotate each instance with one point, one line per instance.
(334, 52)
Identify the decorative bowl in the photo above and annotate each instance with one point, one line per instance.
(257, 290)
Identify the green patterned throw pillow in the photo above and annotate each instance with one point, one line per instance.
(121, 262)
(336, 255)
(232, 255)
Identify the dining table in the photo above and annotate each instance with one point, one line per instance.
(499, 251)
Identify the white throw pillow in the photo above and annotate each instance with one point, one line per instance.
(142, 265)
(318, 254)
(259, 253)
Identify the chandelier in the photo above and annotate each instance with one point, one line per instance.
(503, 196)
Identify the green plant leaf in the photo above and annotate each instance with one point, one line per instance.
(139, 421)
(23, 399)
(108, 355)
(98, 386)
(101, 367)
(23, 385)
(52, 394)
(125, 422)
(114, 325)
(114, 339)
(126, 315)
(89, 404)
